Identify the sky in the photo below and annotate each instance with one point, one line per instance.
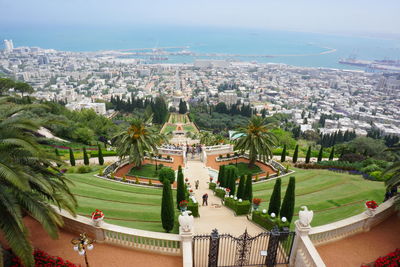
(327, 16)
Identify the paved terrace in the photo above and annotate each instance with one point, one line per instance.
(364, 247)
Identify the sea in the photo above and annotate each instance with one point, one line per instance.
(234, 44)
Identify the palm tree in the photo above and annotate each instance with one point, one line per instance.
(29, 182)
(255, 138)
(140, 138)
(394, 171)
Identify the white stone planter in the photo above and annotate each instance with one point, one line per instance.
(98, 222)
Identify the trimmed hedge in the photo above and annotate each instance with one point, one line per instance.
(220, 193)
(267, 222)
(194, 208)
(212, 186)
(240, 208)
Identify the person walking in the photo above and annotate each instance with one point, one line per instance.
(205, 199)
(196, 184)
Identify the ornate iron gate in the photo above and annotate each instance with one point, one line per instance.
(224, 250)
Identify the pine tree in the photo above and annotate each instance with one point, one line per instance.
(180, 188)
(241, 187)
(320, 155)
(248, 190)
(287, 209)
(331, 155)
(308, 156)
(71, 157)
(167, 208)
(275, 200)
(85, 157)
(283, 156)
(295, 154)
(221, 174)
(100, 155)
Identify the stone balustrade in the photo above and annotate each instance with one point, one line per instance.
(350, 226)
(164, 243)
(307, 255)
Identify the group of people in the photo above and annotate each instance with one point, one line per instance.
(195, 149)
(205, 196)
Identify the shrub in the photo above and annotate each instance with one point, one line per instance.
(228, 156)
(220, 193)
(124, 178)
(150, 182)
(371, 168)
(101, 172)
(166, 174)
(287, 208)
(248, 190)
(100, 156)
(220, 156)
(241, 186)
(275, 200)
(267, 222)
(296, 154)
(85, 157)
(137, 180)
(95, 153)
(194, 208)
(180, 189)
(168, 157)
(71, 157)
(112, 176)
(240, 208)
(167, 208)
(84, 169)
(212, 186)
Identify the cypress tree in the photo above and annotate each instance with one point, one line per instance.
(100, 156)
(71, 157)
(308, 156)
(331, 155)
(295, 154)
(85, 157)
(232, 181)
(320, 155)
(240, 190)
(248, 190)
(275, 200)
(221, 173)
(283, 156)
(167, 208)
(287, 209)
(180, 188)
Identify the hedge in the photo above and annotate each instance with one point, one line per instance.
(240, 208)
(212, 186)
(220, 193)
(106, 153)
(267, 222)
(194, 208)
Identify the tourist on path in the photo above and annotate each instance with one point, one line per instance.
(196, 184)
(205, 199)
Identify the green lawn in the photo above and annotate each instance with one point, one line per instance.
(243, 168)
(189, 128)
(125, 205)
(147, 170)
(169, 128)
(332, 196)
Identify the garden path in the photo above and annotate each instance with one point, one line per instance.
(215, 215)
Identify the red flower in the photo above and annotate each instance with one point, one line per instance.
(371, 204)
(97, 214)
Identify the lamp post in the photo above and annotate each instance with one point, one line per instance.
(82, 244)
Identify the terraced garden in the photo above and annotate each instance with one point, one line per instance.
(332, 196)
(125, 205)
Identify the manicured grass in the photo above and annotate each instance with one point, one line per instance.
(332, 196)
(169, 128)
(126, 205)
(243, 168)
(189, 128)
(147, 170)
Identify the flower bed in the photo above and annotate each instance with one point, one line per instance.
(267, 222)
(240, 208)
(44, 259)
(390, 260)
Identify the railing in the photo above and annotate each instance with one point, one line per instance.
(169, 151)
(123, 236)
(350, 226)
(218, 149)
(111, 168)
(306, 254)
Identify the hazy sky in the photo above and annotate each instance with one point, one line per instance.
(331, 16)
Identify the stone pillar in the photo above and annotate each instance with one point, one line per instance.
(186, 247)
(300, 231)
